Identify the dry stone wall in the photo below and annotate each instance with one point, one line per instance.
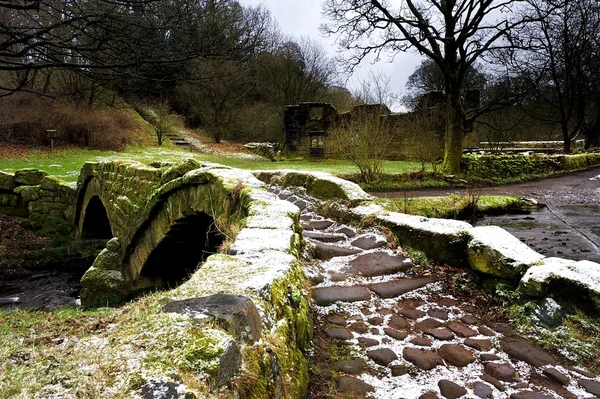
(30, 192)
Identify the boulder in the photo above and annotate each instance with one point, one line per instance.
(564, 276)
(100, 287)
(237, 312)
(496, 252)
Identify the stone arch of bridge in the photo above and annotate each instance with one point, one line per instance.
(92, 216)
(178, 234)
(95, 224)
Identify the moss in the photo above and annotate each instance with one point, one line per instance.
(101, 287)
(201, 353)
(47, 225)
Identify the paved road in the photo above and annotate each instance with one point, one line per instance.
(581, 187)
(570, 225)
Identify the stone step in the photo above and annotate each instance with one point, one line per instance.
(323, 237)
(395, 288)
(378, 264)
(325, 251)
(315, 224)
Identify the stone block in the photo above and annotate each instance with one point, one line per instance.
(496, 252)
(566, 277)
(7, 181)
(28, 193)
(100, 287)
(29, 177)
(237, 312)
(443, 240)
(260, 240)
(9, 199)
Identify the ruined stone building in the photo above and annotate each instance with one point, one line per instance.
(306, 126)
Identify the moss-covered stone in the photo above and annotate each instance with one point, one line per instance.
(30, 177)
(28, 193)
(48, 225)
(180, 169)
(496, 252)
(100, 287)
(7, 181)
(9, 199)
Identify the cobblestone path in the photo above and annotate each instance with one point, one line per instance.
(403, 336)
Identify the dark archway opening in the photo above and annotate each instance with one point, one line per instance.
(95, 223)
(189, 242)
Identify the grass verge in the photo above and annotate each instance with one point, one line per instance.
(453, 206)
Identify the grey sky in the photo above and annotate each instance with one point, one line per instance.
(303, 17)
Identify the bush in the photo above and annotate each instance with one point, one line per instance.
(498, 167)
(27, 119)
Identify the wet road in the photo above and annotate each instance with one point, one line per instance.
(569, 227)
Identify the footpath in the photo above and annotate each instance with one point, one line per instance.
(385, 328)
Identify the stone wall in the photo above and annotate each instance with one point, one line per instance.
(31, 193)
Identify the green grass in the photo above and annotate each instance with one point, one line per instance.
(96, 353)
(452, 206)
(66, 163)
(577, 335)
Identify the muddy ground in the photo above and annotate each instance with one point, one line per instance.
(569, 225)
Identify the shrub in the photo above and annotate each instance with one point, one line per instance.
(497, 167)
(27, 119)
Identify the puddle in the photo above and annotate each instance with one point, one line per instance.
(547, 234)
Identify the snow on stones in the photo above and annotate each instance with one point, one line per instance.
(564, 275)
(495, 251)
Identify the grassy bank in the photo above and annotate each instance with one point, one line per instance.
(66, 163)
(453, 206)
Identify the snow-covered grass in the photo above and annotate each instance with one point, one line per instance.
(104, 353)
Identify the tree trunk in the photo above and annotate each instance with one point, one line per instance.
(453, 143)
(566, 139)
(567, 146)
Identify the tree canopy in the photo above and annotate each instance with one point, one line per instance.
(453, 34)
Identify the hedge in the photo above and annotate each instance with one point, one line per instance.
(518, 166)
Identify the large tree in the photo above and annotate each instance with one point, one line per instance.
(128, 41)
(454, 34)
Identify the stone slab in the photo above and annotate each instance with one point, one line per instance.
(238, 312)
(327, 295)
(378, 264)
(521, 349)
(422, 358)
(394, 288)
(324, 251)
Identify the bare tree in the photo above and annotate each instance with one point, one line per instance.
(559, 52)
(454, 34)
(364, 135)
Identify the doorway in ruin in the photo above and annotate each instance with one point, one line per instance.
(188, 243)
(95, 223)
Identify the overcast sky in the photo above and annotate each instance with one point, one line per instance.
(303, 17)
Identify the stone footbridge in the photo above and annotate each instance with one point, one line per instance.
(161, 221)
